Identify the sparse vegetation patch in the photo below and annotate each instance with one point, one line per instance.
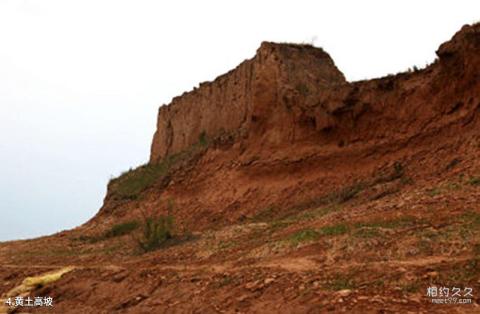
(334, 230)
(129, 185)
(306, 235)
(156, 230)
(121, 229)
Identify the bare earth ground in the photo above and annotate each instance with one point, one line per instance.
(377, 251)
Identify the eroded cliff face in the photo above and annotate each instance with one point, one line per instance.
(258, 96)
(290, 93)
(296, 130)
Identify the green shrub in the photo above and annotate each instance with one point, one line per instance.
(121, 229)
(156, 230)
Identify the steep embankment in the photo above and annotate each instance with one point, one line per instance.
(302, 193)
(285, 128)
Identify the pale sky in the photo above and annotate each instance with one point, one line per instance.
(81, 81)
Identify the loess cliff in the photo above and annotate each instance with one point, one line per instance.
(293, 191)
(286, 128)
(258, 96)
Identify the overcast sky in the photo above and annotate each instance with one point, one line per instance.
(81, 81)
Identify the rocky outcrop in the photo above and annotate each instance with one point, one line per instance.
(258, 96)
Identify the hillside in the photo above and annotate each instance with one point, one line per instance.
(292, 191)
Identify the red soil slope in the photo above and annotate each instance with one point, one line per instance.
(299, 192)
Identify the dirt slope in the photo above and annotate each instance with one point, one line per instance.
(294, 191)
